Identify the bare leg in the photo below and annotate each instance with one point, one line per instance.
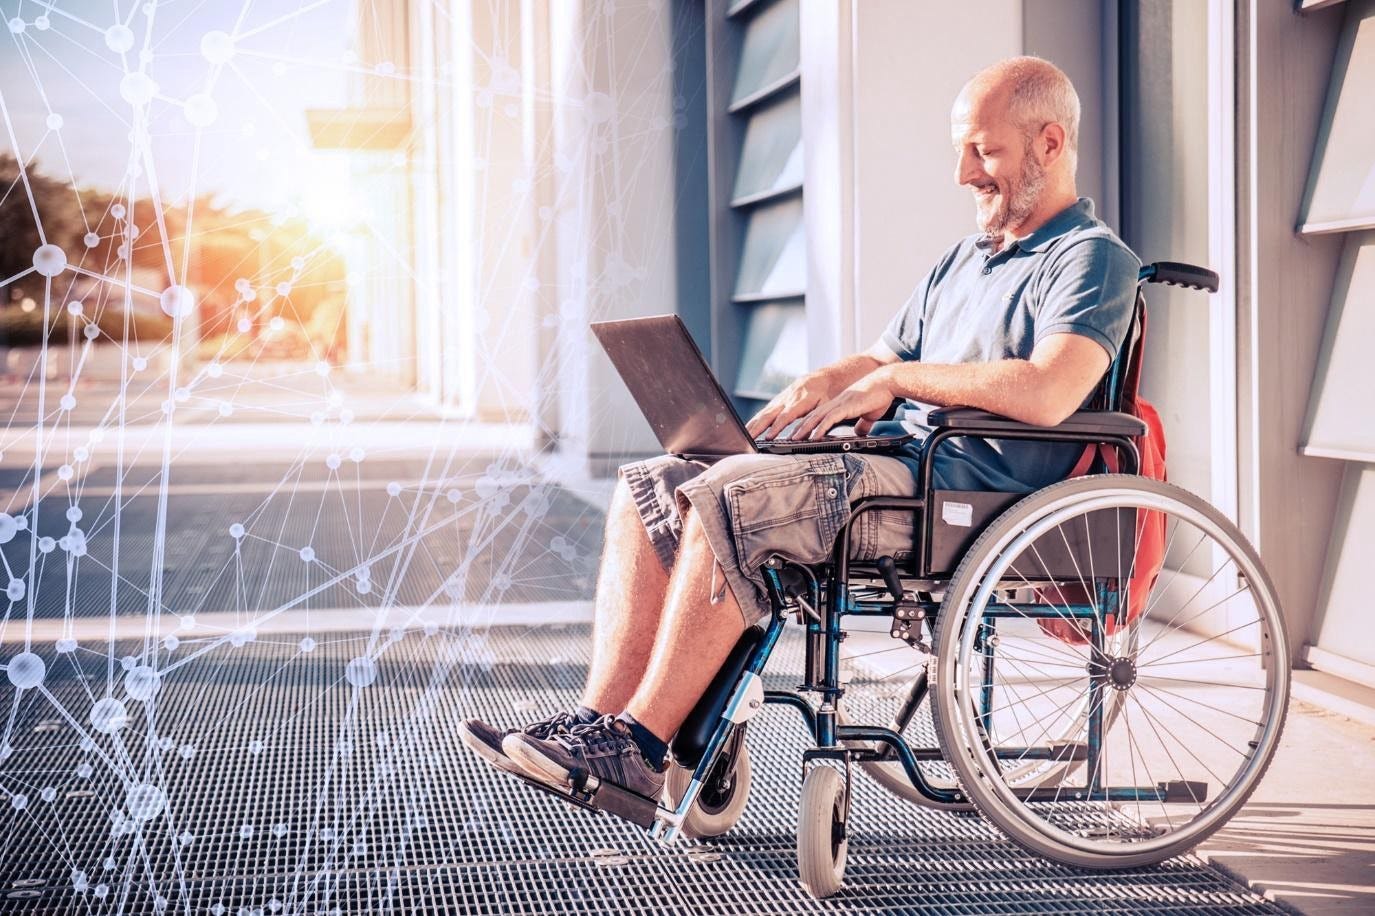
(693, 640)
(630, 599)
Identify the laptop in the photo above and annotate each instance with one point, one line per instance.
(684, 403)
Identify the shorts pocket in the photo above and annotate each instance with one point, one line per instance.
(795, 511)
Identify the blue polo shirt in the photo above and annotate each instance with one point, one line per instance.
(1073, 275)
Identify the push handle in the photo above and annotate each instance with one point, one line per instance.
(1174, 273)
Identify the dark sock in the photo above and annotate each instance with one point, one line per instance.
(649, 744)
(586, 715)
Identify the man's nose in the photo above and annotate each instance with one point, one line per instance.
(967, 168)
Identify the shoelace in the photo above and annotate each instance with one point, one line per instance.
(552, 724)
(599, 735)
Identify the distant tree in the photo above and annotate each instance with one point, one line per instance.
(59, 210)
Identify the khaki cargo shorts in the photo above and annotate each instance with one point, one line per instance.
(754, 506)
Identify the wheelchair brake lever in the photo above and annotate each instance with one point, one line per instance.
(889, 571)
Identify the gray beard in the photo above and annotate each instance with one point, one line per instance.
(1022, 198)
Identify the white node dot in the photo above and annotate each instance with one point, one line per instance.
(8, 527)
(137, 88)
(91, 331)
(74, 308)
(54, 121)
(214, 370)
(598, 107)
(21, 522)
(16, 590)
(117, 211)
(346, 416)
(226, 408)
(255, 746)
(186, 751)
(49, 260)
(46, 544)
(393, 489)
(246, 832)
(139, 363)
(66, 402)
(356, 455)
(65, 645)
(182, 394)
(170, 642)
(17, 25)
(84, 771)
(128, 662)
(201, 110)
(81, 453)
(283, 289)
(244, 325)
(47, 793)
(144, 802)
(363, 586)
(187, 621)
(317, 417)
(142, 683)
(333, 461)
(217, 47)
(91, 239)
(65, 472)
(453, 496)
(307, 554)
(119, 38)
(307, 644)
(108, 716)
(42, 23)
(277, 323)
(20, 802)
(177, 301)
(298, 263)
(322, 369)
(236, 530)
(74, 513)
(101, 891)
(26, 670)
(361, 671)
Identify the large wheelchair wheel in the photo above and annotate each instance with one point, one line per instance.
(1165, 733)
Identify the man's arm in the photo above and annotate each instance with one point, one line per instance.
(1042, 390)
(816, 388)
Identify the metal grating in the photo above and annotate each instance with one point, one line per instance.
(359, 800)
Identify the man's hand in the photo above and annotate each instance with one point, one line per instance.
(865, 401)
(792, 402)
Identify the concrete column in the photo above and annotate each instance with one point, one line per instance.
(611, 83)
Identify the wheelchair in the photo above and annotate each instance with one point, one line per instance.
(1099, 717)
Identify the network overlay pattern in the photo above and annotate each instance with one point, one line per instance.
(202, 484)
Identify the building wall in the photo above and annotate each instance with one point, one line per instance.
(1288, 500)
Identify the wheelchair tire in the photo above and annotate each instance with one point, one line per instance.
(717, 810)
(1229, 718)
(822, 840)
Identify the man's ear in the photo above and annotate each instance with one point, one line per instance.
(1052, 143)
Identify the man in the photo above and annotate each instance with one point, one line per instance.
(1021, 320)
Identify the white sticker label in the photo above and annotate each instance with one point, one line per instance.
(961, 514)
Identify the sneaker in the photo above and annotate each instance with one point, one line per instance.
(486, 740)
(603, 749)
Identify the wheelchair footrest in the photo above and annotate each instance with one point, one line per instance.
(627, 805)
(582, 800)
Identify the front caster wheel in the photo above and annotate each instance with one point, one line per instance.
(822, 841)
(721, 801)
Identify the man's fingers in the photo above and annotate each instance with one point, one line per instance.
(760, 421)
(784, 417)
(863, 425)
(810, 422)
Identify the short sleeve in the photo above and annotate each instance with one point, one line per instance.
(1090, 290)
(903, 334)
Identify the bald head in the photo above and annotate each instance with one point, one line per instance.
(1028, 91)
(1015, 127)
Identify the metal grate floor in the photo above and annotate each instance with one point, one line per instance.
(287, 789)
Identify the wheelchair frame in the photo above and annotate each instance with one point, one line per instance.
(822, 603)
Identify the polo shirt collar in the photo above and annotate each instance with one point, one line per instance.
(1076, 216)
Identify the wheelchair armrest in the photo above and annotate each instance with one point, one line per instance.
(1086, 422)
